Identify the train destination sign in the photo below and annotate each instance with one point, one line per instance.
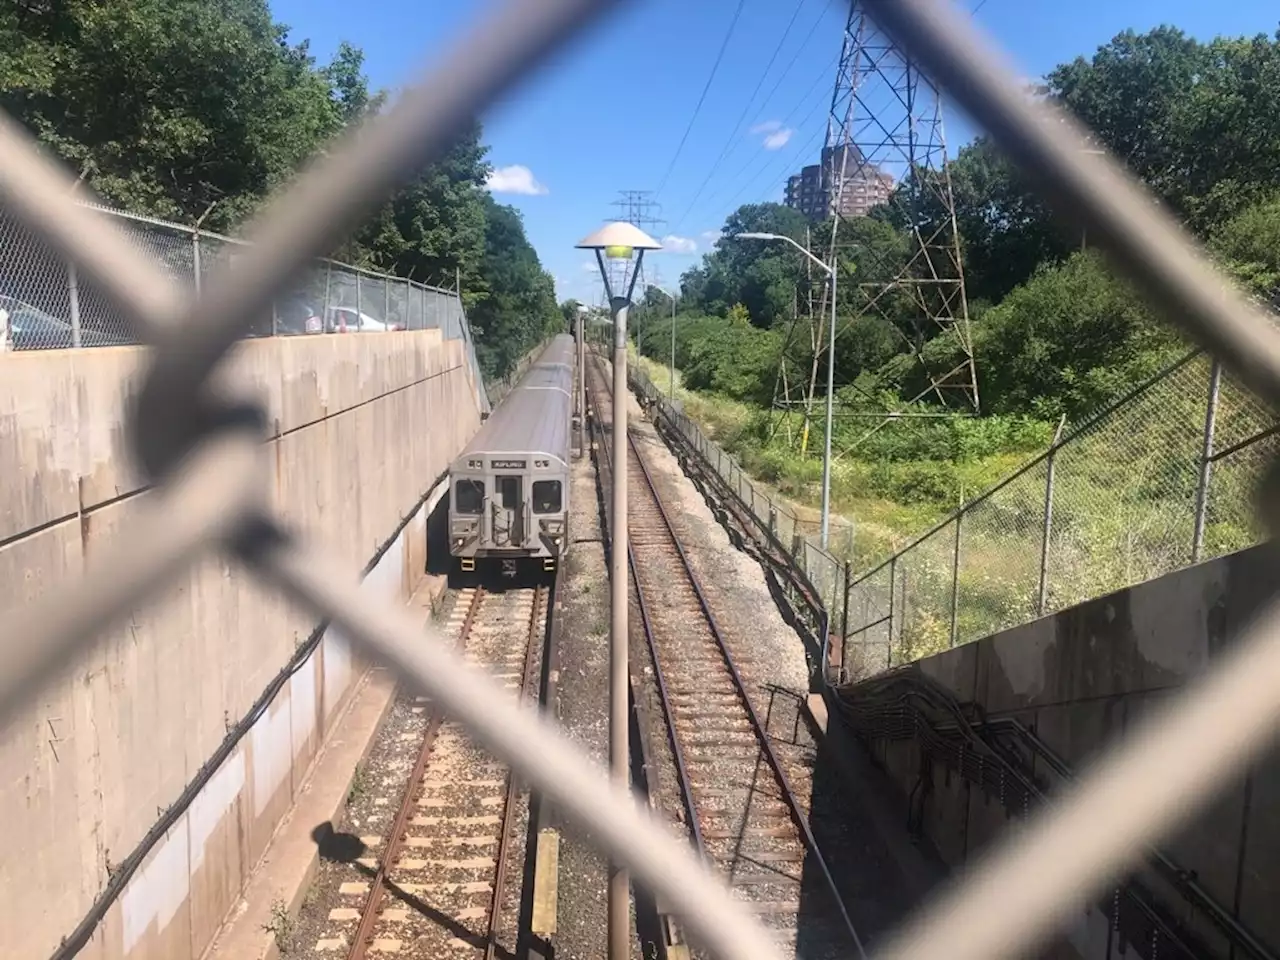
(508, 464)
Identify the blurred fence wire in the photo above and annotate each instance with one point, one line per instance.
(202, 451)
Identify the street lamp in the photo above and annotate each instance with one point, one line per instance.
(619, 241)
(831, 374)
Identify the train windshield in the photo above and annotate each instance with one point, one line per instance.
(468, 497)
(546, 496)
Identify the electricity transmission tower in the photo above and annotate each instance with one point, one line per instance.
(885, 145)
(638, 209)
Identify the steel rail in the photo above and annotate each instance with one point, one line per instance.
(396, 838)
(668, 714)
(530, 743)
(798, 816)
(528, 679)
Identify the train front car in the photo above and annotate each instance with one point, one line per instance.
(509, 489)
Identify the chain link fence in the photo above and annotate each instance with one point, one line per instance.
(772, 513)
(202, 455)
(1165, 478)
(45, 302)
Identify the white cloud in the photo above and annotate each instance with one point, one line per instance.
(515, 179)
(778, 139)
(673, 244)
(769, 126)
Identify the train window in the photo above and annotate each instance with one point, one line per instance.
(546, 496)
(468, 497)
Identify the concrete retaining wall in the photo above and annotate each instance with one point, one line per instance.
(361, 427)
(1079, 680)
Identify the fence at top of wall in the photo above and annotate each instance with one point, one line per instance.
(45, 304)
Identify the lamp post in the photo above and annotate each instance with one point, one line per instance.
(831, 374)
(619, 241)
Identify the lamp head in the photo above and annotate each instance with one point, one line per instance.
(619, 240)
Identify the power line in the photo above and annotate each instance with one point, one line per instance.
(724, 45)
(737, 178)
(746, 108)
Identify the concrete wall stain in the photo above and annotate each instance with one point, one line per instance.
(347, 479)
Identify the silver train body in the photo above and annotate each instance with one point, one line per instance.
(509, 489)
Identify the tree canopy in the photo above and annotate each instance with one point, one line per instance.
(182, 109)
(1054, 330)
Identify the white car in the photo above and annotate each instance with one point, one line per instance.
(349, 319)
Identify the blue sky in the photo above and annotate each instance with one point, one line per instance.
(609, 114)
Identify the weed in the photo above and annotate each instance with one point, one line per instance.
(280, 925)
(359, 785)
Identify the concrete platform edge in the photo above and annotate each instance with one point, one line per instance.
(291, 860)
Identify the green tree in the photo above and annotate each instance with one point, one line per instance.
(434, 229)
(762, 277)
(1070, 340)
(1249, 246)
(169, 106)
(519, 307)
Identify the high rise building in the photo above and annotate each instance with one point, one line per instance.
(812, 190)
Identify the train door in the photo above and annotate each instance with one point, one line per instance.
(508, 512)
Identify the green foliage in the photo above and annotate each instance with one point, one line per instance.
(1249, 245)
(168, 106)
(1198, 122)
(520, 308)
(1071, 340)
(761, 276)
(178, 108)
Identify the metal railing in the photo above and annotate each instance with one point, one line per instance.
(202, 451)
(1165, 478)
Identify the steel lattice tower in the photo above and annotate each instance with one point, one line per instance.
(636, 208)
(885, 121)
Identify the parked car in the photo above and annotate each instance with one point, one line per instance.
(24, 327)
(297, 316)
(348, 319)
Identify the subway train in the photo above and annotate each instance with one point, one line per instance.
(509, 489)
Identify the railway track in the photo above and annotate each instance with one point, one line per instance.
(741, 796)
(439, 884)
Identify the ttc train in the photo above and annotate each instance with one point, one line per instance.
(509, 489)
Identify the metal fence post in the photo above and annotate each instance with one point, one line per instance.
(359, 308)
(386, 301)
(328, 278)
(1206, 460)
(196, 268)
(893, 590)
(955, 580)
(844, 624)
(1046, 531)
(73, 293)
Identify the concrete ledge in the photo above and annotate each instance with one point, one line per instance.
(287, 868)
(289, 865)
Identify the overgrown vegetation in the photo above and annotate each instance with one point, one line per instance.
(1057, 335)
(190, 109)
